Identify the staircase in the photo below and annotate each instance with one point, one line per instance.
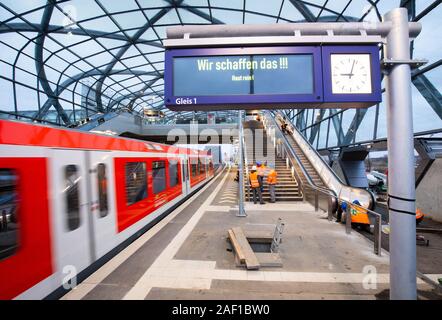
(287, 188)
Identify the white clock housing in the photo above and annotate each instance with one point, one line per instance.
(351, 73)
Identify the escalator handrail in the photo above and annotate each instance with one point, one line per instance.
(317, 153)
(301, 166)
(342, 186)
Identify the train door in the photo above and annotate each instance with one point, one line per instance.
(185, 175)
(103, 219)
(70, 211)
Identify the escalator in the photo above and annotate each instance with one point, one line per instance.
(312, 171)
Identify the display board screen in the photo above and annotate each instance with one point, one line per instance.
(243, 75)
(272, 77)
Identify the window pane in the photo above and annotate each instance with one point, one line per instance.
(8, 217)
(72, 192)
(159, 176)
(102, 189)
(173, 173)
(201, 166)
(136, 182)
(194, 167)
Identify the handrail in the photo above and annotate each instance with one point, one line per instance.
(299, 163)
(377, 224)
(332, 181)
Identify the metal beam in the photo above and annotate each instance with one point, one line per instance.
(355, 123)
(337, 125)
(95, 72)
(429, 92)
(123, 50)
(315, 128)
(304, 10)
(33, 27)
(133, 96)
(40, 67)
(200, 14)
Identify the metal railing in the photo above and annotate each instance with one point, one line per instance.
(377, 225)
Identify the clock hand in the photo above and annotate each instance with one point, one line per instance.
(351, 71)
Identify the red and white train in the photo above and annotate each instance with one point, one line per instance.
(68, 199)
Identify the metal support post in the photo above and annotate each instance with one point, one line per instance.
(241, 211)
(329, 208)
(401, 179)
(348, 218)
(316, 201)
(377, 235)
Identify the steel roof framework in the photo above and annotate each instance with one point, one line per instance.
(132, 75)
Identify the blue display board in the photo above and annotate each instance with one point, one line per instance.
(270, 77)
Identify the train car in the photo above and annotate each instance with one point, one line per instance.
(69, 199)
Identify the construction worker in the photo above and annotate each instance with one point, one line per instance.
(271, 181)
(254, 183)
(261, 173)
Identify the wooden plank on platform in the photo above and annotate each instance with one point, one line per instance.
(267, 259)
(236, 247)
(252, 262)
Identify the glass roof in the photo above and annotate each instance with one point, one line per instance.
(63, 61)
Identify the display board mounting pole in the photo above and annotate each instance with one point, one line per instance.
(401, 176)
(241, 210)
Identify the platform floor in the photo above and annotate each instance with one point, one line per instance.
(185, 256)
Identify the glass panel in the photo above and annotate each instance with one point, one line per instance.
(9, 226)
(159, 176)
(201, 166)
(194, 168)
(365, 130)
(102, 189)
(72, 192)
(136, 182)
(173, 173)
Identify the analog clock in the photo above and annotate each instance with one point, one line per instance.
(351, 73)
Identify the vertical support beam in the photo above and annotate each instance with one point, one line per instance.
(241, 211)
(401, 187)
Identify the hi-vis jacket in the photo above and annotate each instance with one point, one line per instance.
(272, 177)
(253, 176)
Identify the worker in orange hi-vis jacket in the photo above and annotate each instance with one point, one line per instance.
(261, 169)
(272, 180)
(256, 187)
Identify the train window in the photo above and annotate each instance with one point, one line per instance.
(202, 166)
(72, 192)
(8, 213)
(102, 189)
(173, 173)
(159, 176)
(194, 168)
(136, 182)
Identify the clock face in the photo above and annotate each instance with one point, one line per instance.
(351, 74)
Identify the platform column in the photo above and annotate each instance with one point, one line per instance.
(401, 176)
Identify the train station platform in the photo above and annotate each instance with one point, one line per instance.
(185, 256)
